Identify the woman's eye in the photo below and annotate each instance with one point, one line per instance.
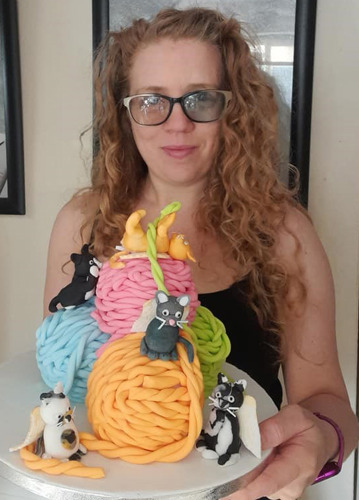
(199, 99)
(151, 102)
(165, 312)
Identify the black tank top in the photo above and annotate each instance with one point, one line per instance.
(253, 349)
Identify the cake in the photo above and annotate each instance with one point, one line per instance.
(144, 394)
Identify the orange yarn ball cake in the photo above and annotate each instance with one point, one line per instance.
(143, 410)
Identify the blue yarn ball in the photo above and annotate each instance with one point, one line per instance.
(66, 345)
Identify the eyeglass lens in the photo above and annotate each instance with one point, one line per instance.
(201, 106)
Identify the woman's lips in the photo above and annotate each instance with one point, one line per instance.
(178, 151)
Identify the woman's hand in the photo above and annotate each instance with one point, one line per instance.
(302, 445)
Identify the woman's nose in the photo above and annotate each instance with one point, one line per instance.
(178, 121)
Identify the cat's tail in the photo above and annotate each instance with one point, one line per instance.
(53, 304)
(189, 348)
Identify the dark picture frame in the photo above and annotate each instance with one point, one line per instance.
(301, 115)
(302, 88)
(10, 99)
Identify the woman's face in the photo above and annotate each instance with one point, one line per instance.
(179, 151)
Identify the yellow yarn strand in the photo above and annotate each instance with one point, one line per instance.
(151, 245)
(169, 209)
(152, 257)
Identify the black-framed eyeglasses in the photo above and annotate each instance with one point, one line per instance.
(201, 106)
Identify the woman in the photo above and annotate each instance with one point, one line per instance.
(183, 113)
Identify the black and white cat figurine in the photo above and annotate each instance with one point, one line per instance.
(232, 420)
(83, 283)
(162, 333)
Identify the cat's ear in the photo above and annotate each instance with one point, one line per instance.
(242, 384)
(85, 249)
(161, 297)
(76, 258)
(221, 379)
(183, 300)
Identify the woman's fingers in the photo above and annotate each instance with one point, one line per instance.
(297, 456)
(283, 479)
(290, 421)
(290, 471)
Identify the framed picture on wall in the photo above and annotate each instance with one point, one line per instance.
(283, 32)
(12, 190)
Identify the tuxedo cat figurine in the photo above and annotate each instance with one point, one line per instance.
(162, 333)
(83, 283)
(232, 420)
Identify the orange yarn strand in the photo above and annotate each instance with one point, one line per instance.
(143, 410)
(56, 467)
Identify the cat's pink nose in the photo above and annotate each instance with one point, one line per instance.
(172, 322)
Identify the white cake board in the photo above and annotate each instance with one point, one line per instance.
(193, 478)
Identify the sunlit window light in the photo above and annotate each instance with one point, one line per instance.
(281, 53)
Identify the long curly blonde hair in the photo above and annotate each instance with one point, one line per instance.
(244, 201)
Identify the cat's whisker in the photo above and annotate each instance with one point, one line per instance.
(163, 321)
(181, 322)
(231, 412)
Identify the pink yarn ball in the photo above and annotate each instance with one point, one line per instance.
(121, 293)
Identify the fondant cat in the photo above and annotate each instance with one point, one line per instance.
(83, 283)
(52, 428)
(233, 420)
(162, 333)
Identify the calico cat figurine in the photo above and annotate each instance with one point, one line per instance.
(52, 428)
(232, 420)
(162, 333)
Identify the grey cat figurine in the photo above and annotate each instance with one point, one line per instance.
(162, 333)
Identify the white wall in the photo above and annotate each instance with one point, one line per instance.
(334, 187)
(56, 46)
(55, 41)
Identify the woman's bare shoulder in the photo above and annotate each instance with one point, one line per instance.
(76, 212)
(297, 237)
(71, 229)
